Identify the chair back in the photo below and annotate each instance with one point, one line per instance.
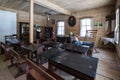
(3, 47)
(18, 56)
(15, 54)
(14, 36)
(90, 35)
(7, 38)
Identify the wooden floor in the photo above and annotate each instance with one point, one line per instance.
(108, 67)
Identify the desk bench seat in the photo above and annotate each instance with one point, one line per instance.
(35, 72)
(35, 75)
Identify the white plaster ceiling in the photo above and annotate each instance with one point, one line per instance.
(78, 5)
(71, 5)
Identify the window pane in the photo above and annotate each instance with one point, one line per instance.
(61, 33)
(85, 24)
(83, 31)
(58, 24)
(58, 33)
(62, 23)
(88, 22)
(60, 28)
(88, 27)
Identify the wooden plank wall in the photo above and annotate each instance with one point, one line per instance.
(98, 14)
(23, 16)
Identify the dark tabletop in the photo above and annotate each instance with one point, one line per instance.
(31, 47)
(50, 44)
(80, 63)
(72, 47)
(13, 41)
(51, 53)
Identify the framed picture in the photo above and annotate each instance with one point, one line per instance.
(71, 21)
(53, 21)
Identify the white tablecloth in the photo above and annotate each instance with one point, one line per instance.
(107, 40)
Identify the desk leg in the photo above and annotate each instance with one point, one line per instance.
(11, 60)
(28, 55)
(50, 67)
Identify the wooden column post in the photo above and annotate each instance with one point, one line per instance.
(31, 19)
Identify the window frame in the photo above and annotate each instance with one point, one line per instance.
(60, 26)
(91, 25)
(117, 29)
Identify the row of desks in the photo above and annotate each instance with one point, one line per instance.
(80, 66)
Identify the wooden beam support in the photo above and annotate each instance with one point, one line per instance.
(31, 20)
(52, 6)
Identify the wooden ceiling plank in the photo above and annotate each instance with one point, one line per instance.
(24, 5)
(52, 6)
(4, 2)
(78, 5)
(16, 4)
(1, 1)
(10, 3)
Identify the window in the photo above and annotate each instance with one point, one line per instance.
(117, 27)
(60, 28)
(85, 24)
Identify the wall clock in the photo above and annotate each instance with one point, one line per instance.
(71, 21)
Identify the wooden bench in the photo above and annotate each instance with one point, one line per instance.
(19, 61)
(5, 49)
(35, 72)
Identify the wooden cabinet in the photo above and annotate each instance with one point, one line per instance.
(63, 39)
(48, 32)
(24, 31)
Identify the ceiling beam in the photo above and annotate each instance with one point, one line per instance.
(23, 5)
(52, 6)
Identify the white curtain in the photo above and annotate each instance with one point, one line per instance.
(116, 38)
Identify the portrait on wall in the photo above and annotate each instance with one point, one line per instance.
(53, 21)
(71, 21)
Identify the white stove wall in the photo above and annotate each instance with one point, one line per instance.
(8, 24)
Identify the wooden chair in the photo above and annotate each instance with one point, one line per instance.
(7, 38)
(35, 72)
(39, 51)
(18, 61)
(14, 36)
(5, 49)
(91, 36)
